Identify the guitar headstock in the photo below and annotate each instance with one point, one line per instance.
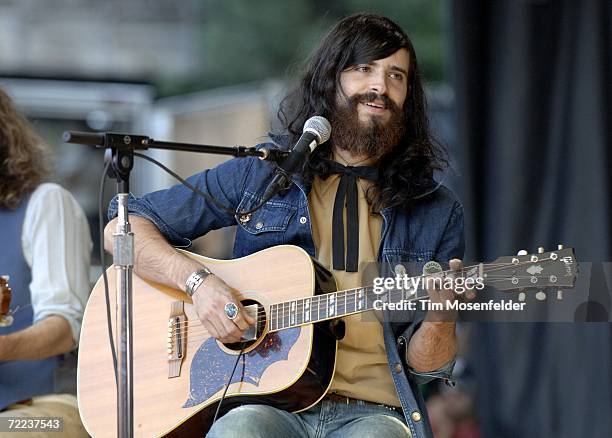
(552, 269)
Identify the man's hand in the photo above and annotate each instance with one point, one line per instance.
(446, 296)
(434, 343)
(209, 301)
(157, 260)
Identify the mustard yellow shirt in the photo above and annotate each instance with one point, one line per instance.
(361, 363)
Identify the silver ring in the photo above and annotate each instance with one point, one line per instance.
(231, 310)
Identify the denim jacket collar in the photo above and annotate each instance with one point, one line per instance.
(282, 141)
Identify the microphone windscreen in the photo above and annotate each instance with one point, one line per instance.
(319, 126)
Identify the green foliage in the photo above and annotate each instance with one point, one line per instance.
(247, 40)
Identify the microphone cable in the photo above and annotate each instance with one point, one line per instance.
(229, 382)
(205, 195)
(101, 225)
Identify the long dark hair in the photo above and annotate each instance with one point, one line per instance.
(407, 170)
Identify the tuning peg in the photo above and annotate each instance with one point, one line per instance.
(560, 294)
(540, 296)
(522, 296)
(559, 247)
(522, 252)
(540, 250)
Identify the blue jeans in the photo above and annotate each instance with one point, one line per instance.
(326, 419)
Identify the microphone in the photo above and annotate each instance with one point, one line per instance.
(316, 131)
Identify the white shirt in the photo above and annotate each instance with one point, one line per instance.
(57, 246)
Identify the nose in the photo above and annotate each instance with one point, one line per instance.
(378, 83)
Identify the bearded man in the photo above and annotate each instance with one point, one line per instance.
(364, 78)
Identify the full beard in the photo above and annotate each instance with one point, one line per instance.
(372, 139)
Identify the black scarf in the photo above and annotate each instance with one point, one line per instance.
(347, 189)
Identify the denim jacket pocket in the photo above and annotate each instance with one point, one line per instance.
(272, 216)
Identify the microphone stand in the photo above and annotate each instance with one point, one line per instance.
(120, 150)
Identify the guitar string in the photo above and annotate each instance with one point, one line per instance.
(193, 339)
(350, 294)
(486, 269)
(341, 308)
(198, 328)
(193, 335)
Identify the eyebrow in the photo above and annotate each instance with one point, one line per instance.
(399, 69)
(393, 67)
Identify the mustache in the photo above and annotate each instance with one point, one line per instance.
(371, 97)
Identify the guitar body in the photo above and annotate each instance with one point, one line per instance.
(178, 395)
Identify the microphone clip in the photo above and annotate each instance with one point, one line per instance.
(285, 180)
(272, 154)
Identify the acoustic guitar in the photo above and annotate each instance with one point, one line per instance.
(180, 371)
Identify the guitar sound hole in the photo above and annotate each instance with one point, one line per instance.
(259, 328)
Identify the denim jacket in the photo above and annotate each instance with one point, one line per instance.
(431, 230)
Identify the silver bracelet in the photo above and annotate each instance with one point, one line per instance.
(195, 280)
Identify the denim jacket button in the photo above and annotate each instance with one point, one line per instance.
(398, 368)
(303, 220)
(416, 416)
(259, 225)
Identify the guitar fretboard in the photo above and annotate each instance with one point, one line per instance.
(334, 305)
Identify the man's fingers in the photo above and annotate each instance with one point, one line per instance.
(243, 320)
(240, 320)
(455, 264)
(221, 330)
(231, 330)
(211, 305)
(212, 328)
(249, 320)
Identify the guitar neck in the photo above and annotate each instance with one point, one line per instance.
(506, 273)
(332, 305)
(337, 304)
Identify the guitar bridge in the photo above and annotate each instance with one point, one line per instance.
(177, 338)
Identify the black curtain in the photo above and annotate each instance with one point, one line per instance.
(534, 108)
